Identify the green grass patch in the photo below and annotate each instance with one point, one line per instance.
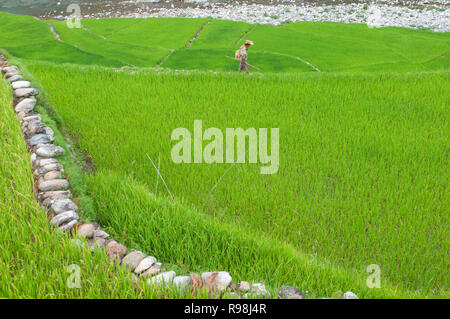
(192, 242)
(60, 52)
(129, 54)
(17, 30)
(222, 34)
(106, 27)
(171, 33)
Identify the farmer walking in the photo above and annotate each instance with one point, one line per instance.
(242, 53)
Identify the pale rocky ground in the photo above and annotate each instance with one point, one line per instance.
(373, 15)
(429, 14)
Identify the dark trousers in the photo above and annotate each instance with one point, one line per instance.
(243, 65)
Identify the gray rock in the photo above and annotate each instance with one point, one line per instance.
(26, 105)
(244, 286)
(20, 84)
(259, 290)
(49, 168)
(11, 73)
(47, 202)
(218, 280)
(53, 185)
(10, 68)
(63, 205)
(115, 251)
(69, 225)
(154, 269)
(21, 115)
(286, 292)
(96, 243)
(64, 218)
(35, 117)
(52, 174)
(165, 278)
(49, 150)
(132, 260)
(15, 77)
(349, 295)
(40, 139)
(46, 161)
(54, 195)
(26, 92)
(182, 283)
(49, 132)
(145, 264)
(35, 127)
(86, 230)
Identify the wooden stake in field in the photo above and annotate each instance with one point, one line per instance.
(247, 63)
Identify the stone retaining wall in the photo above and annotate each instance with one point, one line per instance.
(54, 196)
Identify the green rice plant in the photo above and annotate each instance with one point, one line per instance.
(222, 60)
(30, 38)
(439, 63)
(222, 34)
(327, 52)
(328, 46)
(414, 45)
(17, 30)
(128, 54)
(363, 159)
(191, 242)
(172, 33)
(60, 52)
(292, 47)
(106, 27)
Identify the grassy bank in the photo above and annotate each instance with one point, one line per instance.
(35, 259)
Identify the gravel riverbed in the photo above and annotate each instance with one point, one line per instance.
(433, 15)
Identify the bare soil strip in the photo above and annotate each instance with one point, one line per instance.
(52, 29)
(245, 34)
(197, 34)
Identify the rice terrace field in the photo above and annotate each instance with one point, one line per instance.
(363, 173)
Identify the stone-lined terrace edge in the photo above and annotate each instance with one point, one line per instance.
(54, 196)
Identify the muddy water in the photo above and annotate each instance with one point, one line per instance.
(92, 8)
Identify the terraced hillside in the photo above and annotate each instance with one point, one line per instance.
(363, 148)
(295, 47)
